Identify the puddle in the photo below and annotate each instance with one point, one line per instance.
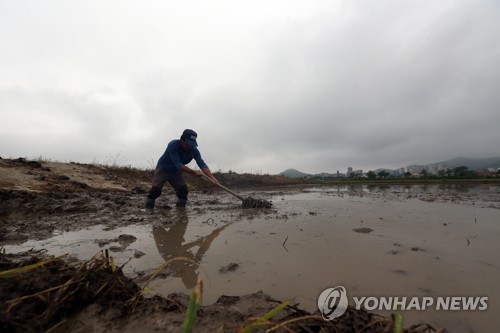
(309, 242)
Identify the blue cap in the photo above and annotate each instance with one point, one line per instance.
(190, 136)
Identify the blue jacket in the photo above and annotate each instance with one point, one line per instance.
(174, 158)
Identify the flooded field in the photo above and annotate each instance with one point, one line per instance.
(405, 241)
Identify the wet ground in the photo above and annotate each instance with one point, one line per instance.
(376, 241)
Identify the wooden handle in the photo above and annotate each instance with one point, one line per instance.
(222, 187)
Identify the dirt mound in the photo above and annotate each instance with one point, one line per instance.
(45, 176)
(21, 174)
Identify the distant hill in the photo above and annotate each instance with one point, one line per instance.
(294, 173)
(473, 163)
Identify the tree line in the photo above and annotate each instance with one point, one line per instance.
(458, 172)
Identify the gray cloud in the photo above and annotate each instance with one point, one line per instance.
(311, 86)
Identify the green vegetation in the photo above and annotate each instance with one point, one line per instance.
(461, 174)
(264, 320)
(191, 312)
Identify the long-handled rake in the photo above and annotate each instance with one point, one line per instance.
(248, 202)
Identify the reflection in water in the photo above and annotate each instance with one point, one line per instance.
(378, 187)
(171, 243)
(464, 188)
(411, 188)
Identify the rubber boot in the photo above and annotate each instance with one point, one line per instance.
(181, 203)
(150, 203)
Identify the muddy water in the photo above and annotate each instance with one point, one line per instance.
(414, 241)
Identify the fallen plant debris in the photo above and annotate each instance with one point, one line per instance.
(229, 268)
(39, 293)
(363, 230)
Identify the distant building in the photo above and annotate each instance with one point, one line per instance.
(357, 173)
(430, 169)
(397, 173)
(340, 175)
(490, 172)
(433, 169)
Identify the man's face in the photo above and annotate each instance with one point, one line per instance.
(185, 146)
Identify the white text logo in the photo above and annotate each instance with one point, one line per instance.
(421, 303)
(333, 302)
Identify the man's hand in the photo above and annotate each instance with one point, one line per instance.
(214, 180)
(208, 174)
(211, 178)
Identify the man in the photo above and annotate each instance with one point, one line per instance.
(171, 243)
(171, 166)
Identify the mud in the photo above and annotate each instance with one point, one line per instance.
(423, 241)
(58, 297)
(256, 203)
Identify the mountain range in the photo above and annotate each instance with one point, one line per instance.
(475, 164)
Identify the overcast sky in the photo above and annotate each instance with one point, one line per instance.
(268, 85)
